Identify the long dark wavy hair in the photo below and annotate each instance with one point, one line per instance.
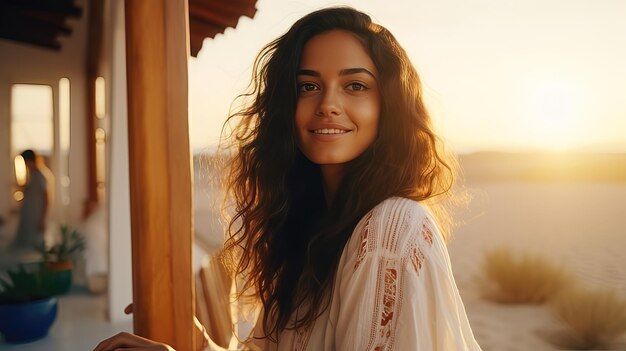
(283, 238)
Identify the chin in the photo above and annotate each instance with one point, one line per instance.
(329, 159)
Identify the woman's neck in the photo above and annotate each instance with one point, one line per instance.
(331, 176)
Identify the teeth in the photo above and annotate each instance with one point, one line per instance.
(329, 131)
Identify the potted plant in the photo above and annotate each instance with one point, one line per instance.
(28, 305)
(59, 258)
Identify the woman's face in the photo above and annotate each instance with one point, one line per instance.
(338, 99)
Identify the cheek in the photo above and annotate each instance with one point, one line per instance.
(300, 121)
(368, 118)
(305, 110)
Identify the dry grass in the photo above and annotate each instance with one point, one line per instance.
(595, 318)
(521, 279)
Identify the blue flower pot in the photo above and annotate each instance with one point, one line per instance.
(25, 322)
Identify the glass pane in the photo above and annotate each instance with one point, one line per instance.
(64, 139)
(31, 118)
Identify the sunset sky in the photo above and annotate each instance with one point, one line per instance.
(498, 75)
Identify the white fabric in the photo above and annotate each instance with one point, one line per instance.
(394, 290)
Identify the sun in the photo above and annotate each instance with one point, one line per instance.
(556, 110)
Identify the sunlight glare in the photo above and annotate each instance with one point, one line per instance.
(20, 170)
(18, 196)
(64, 113)
(100, 98)
(556, 109)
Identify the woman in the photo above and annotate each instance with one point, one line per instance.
(33, 211)
(338, 229)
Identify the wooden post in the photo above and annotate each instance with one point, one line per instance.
(94, 58)
(160, 170)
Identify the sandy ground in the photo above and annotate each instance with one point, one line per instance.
(579, 225)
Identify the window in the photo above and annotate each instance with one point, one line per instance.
(32, 127)
(32, 123)
(64, 140)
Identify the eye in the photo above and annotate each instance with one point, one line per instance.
(307, 87)
(355, 86)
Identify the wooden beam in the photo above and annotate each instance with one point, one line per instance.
(94, 60)
(160, 170)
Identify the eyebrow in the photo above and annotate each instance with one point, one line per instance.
(343, 72)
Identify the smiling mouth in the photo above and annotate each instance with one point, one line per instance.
(329, 131)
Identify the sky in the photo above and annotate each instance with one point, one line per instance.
(497, 75)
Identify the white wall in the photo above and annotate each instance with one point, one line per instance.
(22, 63)
(6, 168)
(120, 263)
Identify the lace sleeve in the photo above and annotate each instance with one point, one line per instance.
(396, 289)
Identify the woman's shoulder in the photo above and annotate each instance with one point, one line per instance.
(393, 225)
(400, 214)
(401, 206)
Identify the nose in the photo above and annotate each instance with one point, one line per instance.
(329, 104)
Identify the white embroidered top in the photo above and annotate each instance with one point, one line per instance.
(394, 290)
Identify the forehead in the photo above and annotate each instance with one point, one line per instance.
(338, 49)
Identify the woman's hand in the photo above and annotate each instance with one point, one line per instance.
(128, 341)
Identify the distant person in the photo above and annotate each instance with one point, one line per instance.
(339, 229)
(34, 209)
